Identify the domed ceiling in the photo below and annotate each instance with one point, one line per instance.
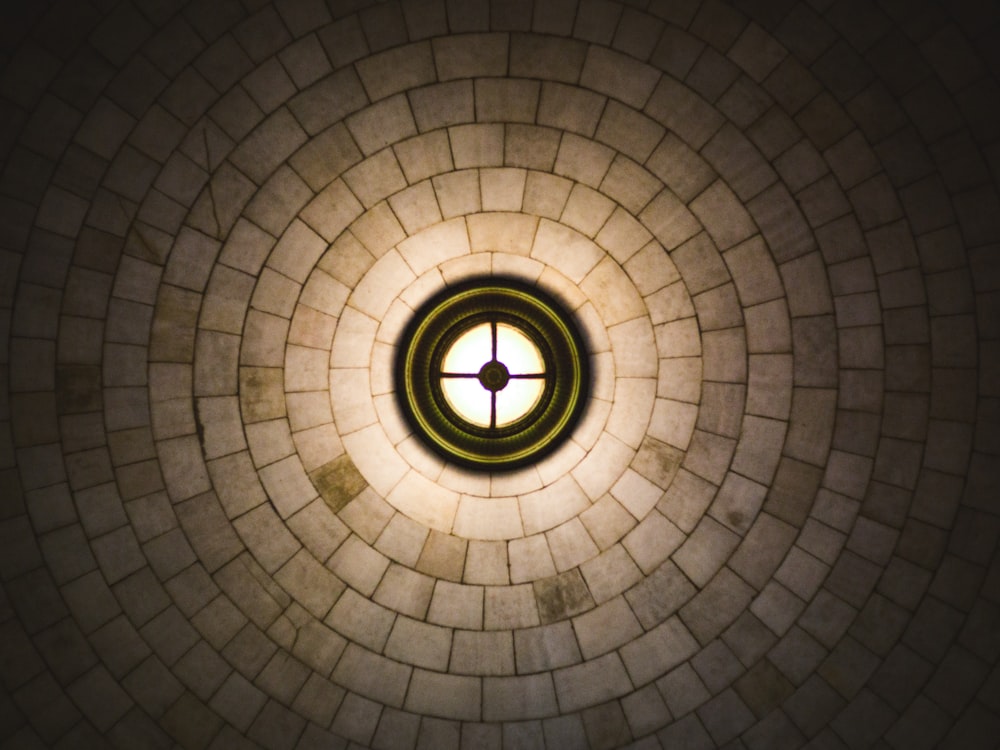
(776, 225)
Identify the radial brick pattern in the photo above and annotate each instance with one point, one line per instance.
(776, 224)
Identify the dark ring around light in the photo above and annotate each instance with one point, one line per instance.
(449, 314)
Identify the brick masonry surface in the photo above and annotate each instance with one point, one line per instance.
(777, 225)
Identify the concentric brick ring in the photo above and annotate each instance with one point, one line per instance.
(739, 540)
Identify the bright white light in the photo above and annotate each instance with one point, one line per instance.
(472, 350)
(516, 400)
(516, 351)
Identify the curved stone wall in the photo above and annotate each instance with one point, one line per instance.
(777, 226)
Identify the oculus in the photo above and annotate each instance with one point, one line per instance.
(492, 373)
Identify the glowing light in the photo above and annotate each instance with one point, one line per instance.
(492, 375)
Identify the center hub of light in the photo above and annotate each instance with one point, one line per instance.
(494, 376)
(492, 373)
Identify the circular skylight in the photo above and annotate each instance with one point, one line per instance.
(492, 373)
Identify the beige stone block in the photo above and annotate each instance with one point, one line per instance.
(629, 132)
(360, 620)
(318, 445)
(416, 207)
(631, 409)
(419, 644)
(383, 355)
(531, 147)
(424, 156)
(353, 340)
(348, 259)
(606, 627)
(287, 485)
(365, 513)
(264, 340)
(359, 565)
(404, 590)
(724, 355)
(768, 327)
(424, 501)
(586, 210)
(723, 215)
(502, 189)
(673, 422)
(308, 409)
(226, 300)
(373, 180)
(396, 70)
(561, 461)
(488, 518)
(679, 338)
(753, 271)
(680, 379)
(371, 675)
(330, 212)
(350, 394)
(583, 160)
(670, 304)
(603, 465)
(172, 418)
(636, 494)
(269, 440)
(402, 539)
(518, 698)
(486, 563)
(517, 482)
(476, 145)
(669, 220)
(634, 347)
(471, 55)
(591, 682)
(658, 651)
(607, 521)
(465, 481)
(382, 124)
(377, 229)
(324, 293)
(652, 542)
(183, 466)
(435, 245)
(570, 545)
(443, 695)
(622, 237)
(545, 508)
(612, 292)
(545, 195)
(509, 607)
(570, 252)
(305, 369)
(443, 104)
(530, 559)
(458, 193)
(482, 653)
(470, 266)
(222, 431)
(618, 76)
(630, 185)
(372, 296)
(391, 418)
(570, 108)
(591, 427)
(506, 100)
(457, 605)
(375, 457)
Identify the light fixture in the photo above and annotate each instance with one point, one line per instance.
(492, 373)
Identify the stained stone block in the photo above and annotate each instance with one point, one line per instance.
(451, 696)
